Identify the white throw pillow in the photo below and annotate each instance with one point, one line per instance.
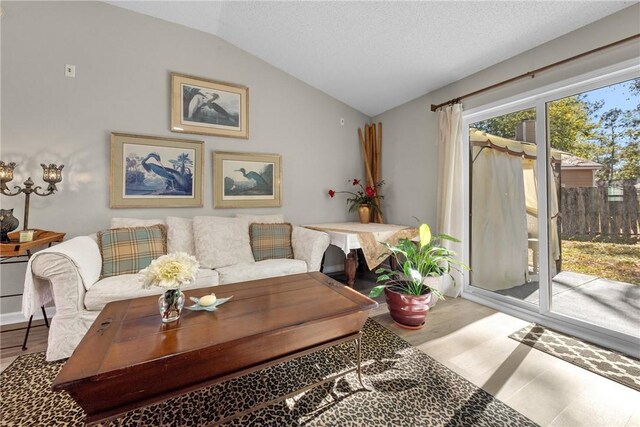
(221, 241)
(262, 219)
(180, 235)
(134, 222)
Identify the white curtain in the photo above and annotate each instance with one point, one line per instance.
(450, 185)
(499, 253)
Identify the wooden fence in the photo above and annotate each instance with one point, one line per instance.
(592, 211)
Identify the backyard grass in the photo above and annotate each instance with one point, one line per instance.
(615, 261)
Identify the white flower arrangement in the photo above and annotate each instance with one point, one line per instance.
(171, 271)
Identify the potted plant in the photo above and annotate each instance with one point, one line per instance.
(410, 290)
(363, 200)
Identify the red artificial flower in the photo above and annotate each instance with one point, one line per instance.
(332, 193)
(370, 191)
(356, 181)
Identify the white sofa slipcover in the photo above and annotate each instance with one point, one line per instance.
(128, 286)
(77, 303)
(261, 270)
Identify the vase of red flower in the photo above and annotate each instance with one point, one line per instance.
(364, 212)
(365, 200)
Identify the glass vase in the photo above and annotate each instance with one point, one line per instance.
(170, 304)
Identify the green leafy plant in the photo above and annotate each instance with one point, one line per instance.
(417, 261)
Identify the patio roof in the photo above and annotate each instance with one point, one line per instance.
(527, 150)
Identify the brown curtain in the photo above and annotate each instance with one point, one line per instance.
(371, 145)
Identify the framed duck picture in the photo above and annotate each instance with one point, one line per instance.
(209, 107)
(246, 180)
(153, 172)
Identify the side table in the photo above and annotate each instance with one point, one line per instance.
(350, 236)
(17, 253)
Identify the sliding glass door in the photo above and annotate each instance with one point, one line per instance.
(593, 206)
(554, 205)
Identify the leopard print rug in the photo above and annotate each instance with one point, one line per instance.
(405, 388)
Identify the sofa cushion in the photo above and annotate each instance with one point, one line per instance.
(261, 270)
(128, 286)
(262, 219)
(129, 250)
(133, 222)
(221, 241)
(271, 241)
(180, 235)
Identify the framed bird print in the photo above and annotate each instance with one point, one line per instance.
(209, 107)
(152, 172)
(246, 180)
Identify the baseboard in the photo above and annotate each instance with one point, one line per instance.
(328, 269)
(17, 317)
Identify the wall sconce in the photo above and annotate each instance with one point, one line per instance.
(51, 174)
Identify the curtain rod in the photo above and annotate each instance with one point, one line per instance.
(533, 73)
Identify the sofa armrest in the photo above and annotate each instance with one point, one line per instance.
(62, 275)
(69, 268)
(309, 246)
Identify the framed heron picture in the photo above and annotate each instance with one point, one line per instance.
(246, 180)
(209, 107)
(152, 172)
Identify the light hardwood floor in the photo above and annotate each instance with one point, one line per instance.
(12, 336)
(473, 341)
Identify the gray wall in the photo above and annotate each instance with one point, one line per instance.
(123, 62)
(409, 158)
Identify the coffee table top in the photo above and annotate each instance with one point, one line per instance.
(130, 332)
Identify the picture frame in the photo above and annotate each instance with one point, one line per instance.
(246, 180)
(155, 172)
(209, 107)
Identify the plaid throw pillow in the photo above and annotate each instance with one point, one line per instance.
(129, 250)
(271, 241)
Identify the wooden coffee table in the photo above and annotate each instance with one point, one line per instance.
(129, 358)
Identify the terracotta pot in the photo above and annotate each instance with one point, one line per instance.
(408, 310)
(364, 211)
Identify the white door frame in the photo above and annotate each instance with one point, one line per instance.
(542, 313)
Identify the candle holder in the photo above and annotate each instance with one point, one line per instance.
(51, 174)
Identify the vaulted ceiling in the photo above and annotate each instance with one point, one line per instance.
(374, 56)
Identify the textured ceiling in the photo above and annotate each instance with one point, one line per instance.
(374, 56)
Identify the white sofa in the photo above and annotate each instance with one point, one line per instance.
(72, 270)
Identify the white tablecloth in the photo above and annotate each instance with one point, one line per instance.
(348, 239)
